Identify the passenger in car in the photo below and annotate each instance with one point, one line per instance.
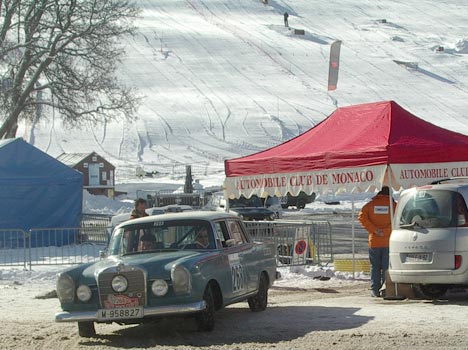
(235, 232)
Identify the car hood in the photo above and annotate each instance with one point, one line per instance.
(156, 264)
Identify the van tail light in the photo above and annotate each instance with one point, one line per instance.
(458, 261)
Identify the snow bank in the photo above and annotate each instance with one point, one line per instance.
(316, 276)
(39, 275)
(103, 205)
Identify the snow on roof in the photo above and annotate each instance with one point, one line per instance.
(72, 159)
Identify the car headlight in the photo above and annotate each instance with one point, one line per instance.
(65, 288)
(273, 216)
(159, 288)
(181, 280)
(241, 217)
(83, 293)
(119, 284)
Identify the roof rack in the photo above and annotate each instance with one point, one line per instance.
(437, 182)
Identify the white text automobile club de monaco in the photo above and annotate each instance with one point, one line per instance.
(345, 178)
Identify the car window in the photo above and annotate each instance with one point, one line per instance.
(431, 209)
(162, 235)
(236, 233)
(221, 233)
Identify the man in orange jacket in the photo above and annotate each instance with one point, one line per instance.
(375, 218)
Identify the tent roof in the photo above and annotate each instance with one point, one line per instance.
(22, 162)
(358, 136)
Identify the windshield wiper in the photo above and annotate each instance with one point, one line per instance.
(410, 226)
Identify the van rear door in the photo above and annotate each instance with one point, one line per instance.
(425, 233)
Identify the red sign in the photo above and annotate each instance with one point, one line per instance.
(300, 247)
(119, 301)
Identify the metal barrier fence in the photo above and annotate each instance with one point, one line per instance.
(51, 246)
(95, 220)
(286, 234)
(13, 247)
(56, 246)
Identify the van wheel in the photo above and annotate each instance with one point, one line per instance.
(86, 329)
(432, 291)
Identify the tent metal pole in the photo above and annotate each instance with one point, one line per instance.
(390, 185)
(353, 234)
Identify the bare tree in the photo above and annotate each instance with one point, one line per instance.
(64, 54)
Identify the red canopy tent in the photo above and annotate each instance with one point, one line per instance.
(352, 150)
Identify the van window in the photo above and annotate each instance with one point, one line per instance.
(432, 209)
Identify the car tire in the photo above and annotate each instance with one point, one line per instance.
(205, 319)
(86, 329)
(431, 291)
(259, 302)
(301, 204)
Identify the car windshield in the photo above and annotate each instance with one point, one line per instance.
(162, 236)
(242, 202)
(431, 209)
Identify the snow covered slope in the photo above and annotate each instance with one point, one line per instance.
(225, 78)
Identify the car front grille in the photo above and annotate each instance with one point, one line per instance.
(135, 295)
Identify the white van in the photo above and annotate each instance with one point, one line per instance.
(429, 242)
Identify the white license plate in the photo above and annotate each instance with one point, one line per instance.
(415, 258)
(120, 313)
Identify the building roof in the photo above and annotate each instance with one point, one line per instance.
(72, 159)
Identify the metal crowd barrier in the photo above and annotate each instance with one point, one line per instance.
(51, 246)
(56, 246)
(286, 234)
(14, 247)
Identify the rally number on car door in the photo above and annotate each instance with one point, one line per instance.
(238, 278)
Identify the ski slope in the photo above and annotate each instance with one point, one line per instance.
(225, 78)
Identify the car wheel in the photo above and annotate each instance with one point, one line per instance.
(301, 204)
(86, 329)
(205, 319)
(260, 300)
(432, 291)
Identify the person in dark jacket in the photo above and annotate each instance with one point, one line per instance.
(139, 210)
(286, 15)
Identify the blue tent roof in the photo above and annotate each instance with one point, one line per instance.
(36, 190)
(22, 162)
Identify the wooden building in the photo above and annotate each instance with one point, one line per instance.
(98, 173)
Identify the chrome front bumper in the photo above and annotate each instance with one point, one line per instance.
(84, 316)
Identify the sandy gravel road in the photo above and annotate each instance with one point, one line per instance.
(336, 317)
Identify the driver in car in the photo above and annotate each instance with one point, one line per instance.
(202, 239)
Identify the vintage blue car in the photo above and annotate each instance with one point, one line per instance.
(170, 264)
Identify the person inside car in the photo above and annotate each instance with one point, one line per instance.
(202, 239)
(147, 242)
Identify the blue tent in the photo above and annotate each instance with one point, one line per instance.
(37, 191)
